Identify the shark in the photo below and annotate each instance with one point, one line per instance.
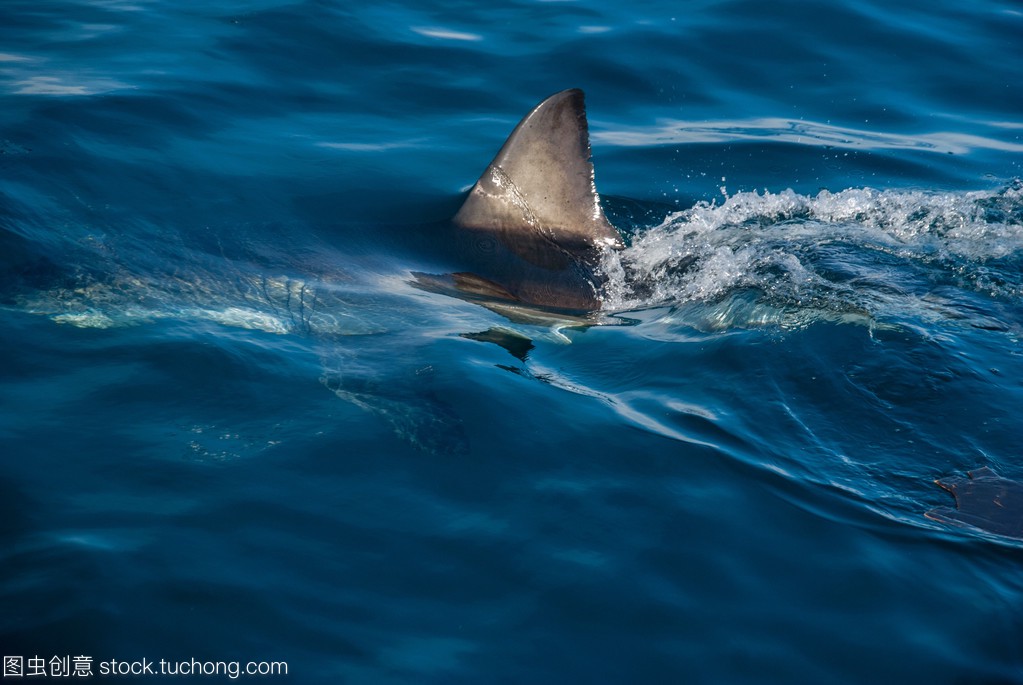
(532, 231)
(527, 243)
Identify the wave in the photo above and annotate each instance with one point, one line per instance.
(882, 254)
(812, 133)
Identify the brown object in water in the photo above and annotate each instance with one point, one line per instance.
(986, 501)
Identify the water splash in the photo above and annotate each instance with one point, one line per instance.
(772, 257)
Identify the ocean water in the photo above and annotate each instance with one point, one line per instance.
(232, 430)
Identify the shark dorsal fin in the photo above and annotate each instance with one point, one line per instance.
(542, 181)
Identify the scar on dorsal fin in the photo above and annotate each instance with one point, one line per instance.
(541, 181)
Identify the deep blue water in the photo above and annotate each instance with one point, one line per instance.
(232, 429)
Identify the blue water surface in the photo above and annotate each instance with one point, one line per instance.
(233, 429)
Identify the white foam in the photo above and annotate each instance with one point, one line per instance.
(855, 251)
(442, 33)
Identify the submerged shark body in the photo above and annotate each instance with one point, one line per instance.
(532, 230)
(527, 244)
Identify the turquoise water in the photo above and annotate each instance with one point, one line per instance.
(232, 430)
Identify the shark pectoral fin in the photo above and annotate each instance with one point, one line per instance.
(541, 181)
(514, 343)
